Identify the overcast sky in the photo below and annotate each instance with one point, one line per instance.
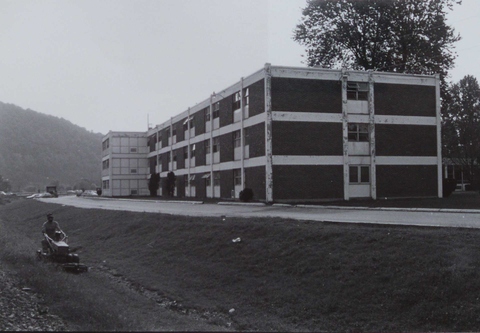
(111, 64)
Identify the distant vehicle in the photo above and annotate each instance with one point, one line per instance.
(89, 193)
(40, 195)
(52, 190)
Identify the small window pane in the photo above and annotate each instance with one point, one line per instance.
(364, 174)
(353, 174)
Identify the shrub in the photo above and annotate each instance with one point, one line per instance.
(449, 186)
(154, 184)
(246, 195)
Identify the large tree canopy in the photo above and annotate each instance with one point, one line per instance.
(405, 36)
(461, 126)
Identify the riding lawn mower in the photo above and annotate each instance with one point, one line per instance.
(57, 250)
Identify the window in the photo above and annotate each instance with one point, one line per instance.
(133, 150)
(174, 132)
(106, 144)
(216, 110)
(237, 177)
(207, 114)
(246, 98)
(359, 174)
(207, 179)
(216, 145)
(106, 184)
(167, 133)
(357, 91)
(185, 180)
(216, 178)
(133, 192)
(192, 151)
(105, 164)
(358, 132)
(236, 139)
(246, 136)
(185, 152)
(236, 103)
(159, 137)
(207, 146)
(188, 122)
(133, 170)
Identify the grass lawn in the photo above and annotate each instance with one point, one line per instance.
(457, 200)
(282, 275)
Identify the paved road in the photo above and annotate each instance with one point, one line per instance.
(443, 218)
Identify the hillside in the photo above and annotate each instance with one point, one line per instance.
(38, 150)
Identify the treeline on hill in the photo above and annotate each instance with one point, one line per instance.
(38, 150)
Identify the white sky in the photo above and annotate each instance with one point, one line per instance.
(107, 64)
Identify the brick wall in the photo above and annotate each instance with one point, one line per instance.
(200, 153)
(180, 160)
(199, 121)
(307, 182)
(226, 147)
(255, 179)
(164, 161)
(302, 138)
(406, 100)
(256, 93)
(226, 184)
(199, 182)
(406, 180)
(304, 95)
(256, 140)
(405, 140)
(226, 111)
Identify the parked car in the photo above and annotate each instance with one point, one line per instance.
(89, 193)
(40, 195)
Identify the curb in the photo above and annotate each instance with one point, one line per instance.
(153, 201)
(261, 204)
(432, 210)
(226, 203)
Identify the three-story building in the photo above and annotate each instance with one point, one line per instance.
(296, 135)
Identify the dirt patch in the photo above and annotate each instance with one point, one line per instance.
(21, 309)
(185, 273)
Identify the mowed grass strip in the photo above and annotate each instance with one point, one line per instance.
(283, 274)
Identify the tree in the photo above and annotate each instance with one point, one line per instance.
(405, 36)
(461, 127)
(170, 183)
(154, 184)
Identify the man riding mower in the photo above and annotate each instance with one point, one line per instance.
(56, 249)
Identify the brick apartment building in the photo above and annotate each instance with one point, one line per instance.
(292, 135)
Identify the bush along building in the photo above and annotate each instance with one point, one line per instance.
(292, 135)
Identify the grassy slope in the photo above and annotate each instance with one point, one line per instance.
(283, 275)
